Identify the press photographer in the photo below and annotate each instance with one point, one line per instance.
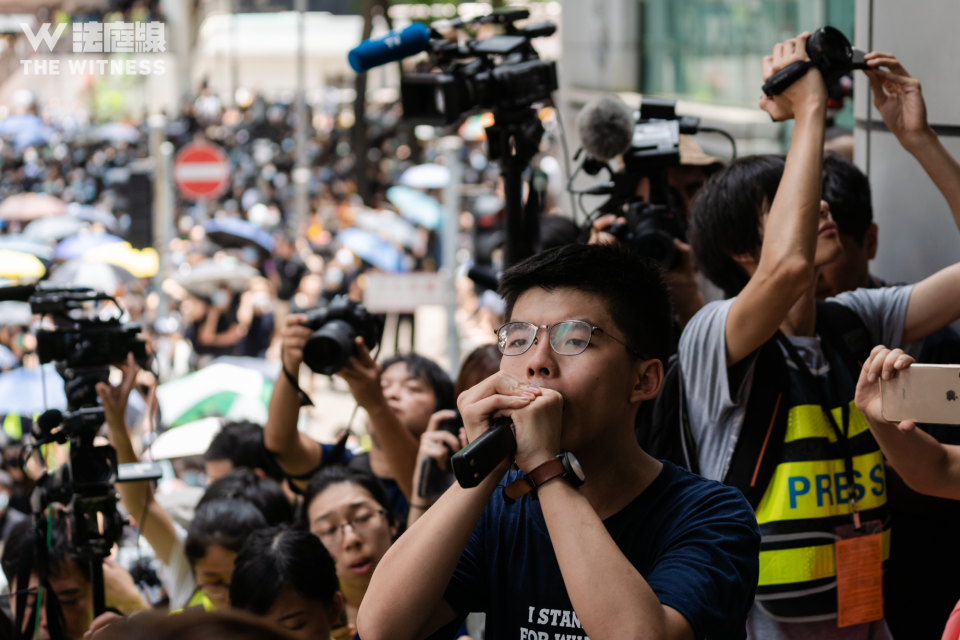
(79, 497)
(769, 374)
(399, 397)
(648, 208)
(596, 538)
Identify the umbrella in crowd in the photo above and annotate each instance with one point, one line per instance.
(76, 246)
(234, 233)
(388, 226)
(191, 439)
(206, 277)
(140, 263)
(98, 275)
(117, 132)
(29, 206)
(425, 176)
(11, 125)
(22, 390)
(92, 214)
(222, 390)
(55, 228)
(15, 313)
(20, 266)
(371, 248)
(416, 206)
(269, 368)
(22, 244)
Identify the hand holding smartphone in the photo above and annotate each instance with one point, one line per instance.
(927, 393)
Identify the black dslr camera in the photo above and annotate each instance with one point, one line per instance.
(504, 73)
(335, 327)
(829, 51)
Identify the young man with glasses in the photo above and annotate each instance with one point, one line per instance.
(596, 539)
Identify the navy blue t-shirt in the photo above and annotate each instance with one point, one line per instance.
(695, 542)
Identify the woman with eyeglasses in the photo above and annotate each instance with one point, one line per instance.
(349, 511)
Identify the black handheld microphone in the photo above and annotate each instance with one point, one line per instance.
(475, 461)
(18, 293)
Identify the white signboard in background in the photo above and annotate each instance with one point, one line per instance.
(403, 292)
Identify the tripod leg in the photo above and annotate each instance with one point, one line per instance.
(96, 583)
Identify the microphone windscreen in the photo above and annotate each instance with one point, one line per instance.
(605, 126)
(392, 46)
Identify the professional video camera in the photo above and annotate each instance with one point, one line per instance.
(502, 74)
(335, 327)
(82, 348)
(652, 140)
(829, 51)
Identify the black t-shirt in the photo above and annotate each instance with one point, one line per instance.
(695, 542)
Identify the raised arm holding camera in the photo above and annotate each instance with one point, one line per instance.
(770, 374)
(606, 542)
(399, 398)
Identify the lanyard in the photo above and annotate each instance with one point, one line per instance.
(822, 399)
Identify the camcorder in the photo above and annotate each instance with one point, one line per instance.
(829, 51)
(651, 225)
(475, 461)
(82, 349)
(503, 73)
(335, 328)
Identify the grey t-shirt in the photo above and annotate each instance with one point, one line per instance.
(717, 397)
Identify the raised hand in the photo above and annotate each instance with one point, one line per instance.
(897, 96)
(883, 364)
(806, 93)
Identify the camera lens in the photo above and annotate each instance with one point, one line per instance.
(330, 347)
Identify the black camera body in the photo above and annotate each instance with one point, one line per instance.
(505, 74)
(651, 226)
(89, 343)
(829, 51)
(335, 327)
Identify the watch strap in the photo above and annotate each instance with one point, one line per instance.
(547, 471)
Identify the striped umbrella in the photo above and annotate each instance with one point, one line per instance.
(222, 390)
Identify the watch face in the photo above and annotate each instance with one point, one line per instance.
(574, 466)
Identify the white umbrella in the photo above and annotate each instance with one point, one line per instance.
(191, 439)
(426, 176)
(204, 278)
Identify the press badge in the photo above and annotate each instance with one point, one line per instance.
(859, 573)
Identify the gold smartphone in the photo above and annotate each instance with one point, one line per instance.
(924, 393)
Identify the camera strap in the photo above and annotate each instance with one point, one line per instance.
(841, 433)
(305, 400)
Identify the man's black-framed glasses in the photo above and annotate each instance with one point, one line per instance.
(568, 338)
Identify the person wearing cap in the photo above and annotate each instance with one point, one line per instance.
(689, 290)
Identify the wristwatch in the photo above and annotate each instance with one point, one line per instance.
(564, 465)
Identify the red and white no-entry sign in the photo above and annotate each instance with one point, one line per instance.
(201, 171)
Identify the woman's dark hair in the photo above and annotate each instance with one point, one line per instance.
(725, 219)
(246, 486)
(431, 373)
(337, 473)
(631, 288)
(479, 365)
(224, 522)
(276, 558)
(847, 190)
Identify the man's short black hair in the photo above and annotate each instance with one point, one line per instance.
(847, 190)
(245, 485)
(430, 372)
(631, 287)
(242, 444)
(725, 220)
